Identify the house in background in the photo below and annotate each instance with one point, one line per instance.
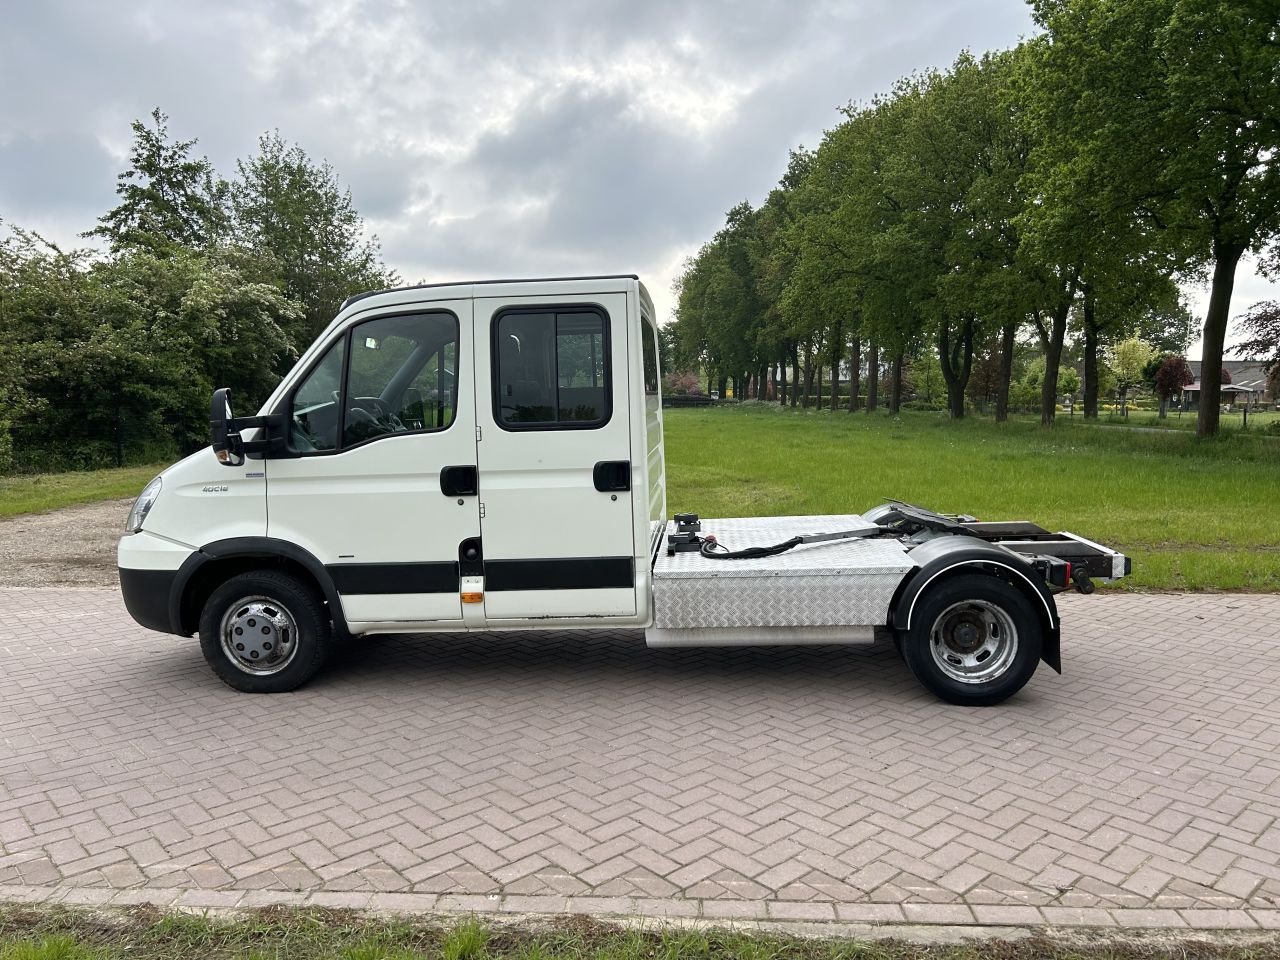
(1248, 385)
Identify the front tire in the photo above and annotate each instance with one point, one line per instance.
(265, 632)
(974, 640)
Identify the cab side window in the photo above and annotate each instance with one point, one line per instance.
(392, 359)
(388, 375)
(314, 425)
(649, 350)
(551, 369)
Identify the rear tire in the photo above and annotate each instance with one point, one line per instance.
(265, 632)
(974, 640)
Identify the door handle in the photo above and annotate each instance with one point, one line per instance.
(612, 475)
(459, 481)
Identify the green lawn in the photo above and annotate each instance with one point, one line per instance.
(146, 933)
(48, 491)
(1195, 515)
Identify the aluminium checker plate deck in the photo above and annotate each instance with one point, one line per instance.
(833, 583)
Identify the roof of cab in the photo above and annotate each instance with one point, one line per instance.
(478, 283)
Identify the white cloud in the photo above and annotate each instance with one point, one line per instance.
(479, 137)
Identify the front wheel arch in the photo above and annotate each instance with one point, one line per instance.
(216, 563)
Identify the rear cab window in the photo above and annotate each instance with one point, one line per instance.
(551, 369)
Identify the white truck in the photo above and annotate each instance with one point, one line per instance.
(488, 456)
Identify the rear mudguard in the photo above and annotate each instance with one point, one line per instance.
(944, 556)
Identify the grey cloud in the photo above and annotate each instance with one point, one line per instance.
(477, 136)
(62, 173)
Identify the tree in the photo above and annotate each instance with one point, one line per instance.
(1261, 326)
(1128, 359)
(113, 359)
(295, 210)
(168, 197)
(1171, 111)
(1171, 376)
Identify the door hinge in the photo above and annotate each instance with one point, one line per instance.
(482, 511)
(478, 437)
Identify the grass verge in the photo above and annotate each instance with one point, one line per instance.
(149, 934)
(1194, 514)
(38, 492)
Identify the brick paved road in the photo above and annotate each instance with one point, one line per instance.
(539, 772)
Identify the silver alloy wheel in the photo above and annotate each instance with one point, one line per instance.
(259, 635)
(974, 641)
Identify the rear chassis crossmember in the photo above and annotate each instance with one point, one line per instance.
(1063, 559)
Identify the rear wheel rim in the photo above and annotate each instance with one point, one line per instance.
(974, 641)
(259, 635)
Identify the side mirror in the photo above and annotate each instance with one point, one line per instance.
(227, 445)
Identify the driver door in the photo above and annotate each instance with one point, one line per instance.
(377, 421)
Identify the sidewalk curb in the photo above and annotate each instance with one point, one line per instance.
(955, 922)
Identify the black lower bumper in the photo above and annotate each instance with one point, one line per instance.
(146, 596)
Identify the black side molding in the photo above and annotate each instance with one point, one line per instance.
(571, 573)
(383, 578)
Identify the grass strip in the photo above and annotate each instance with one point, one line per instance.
(38, 492)
(146, 933)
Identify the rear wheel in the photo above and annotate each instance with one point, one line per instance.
(265, 632)
(974, 640)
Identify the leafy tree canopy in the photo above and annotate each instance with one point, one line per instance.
(168, 198)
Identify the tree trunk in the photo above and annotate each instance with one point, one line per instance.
(723, 384)
(855, 374)
(873, 376)
(956, 360)
(1215, 332)
(1090, 356)
(1006, 372)
(795, 373)
(1052, 360)
(1051, 339)
(895, 391)
(1164, 407)
(818, 400)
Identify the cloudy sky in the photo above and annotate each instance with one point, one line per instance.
(482, 138)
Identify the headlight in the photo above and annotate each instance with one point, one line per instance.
(142, 506)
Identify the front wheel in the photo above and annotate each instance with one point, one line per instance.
(265, 632)
(974, 640)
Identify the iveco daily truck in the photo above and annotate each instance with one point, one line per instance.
(488, 456)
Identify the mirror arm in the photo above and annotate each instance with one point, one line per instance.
(274, 426)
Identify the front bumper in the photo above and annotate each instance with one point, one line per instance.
(146, 596)
(148, 566)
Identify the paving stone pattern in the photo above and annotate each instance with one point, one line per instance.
(560, 771)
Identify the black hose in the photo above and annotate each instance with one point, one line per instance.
(712, 550)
